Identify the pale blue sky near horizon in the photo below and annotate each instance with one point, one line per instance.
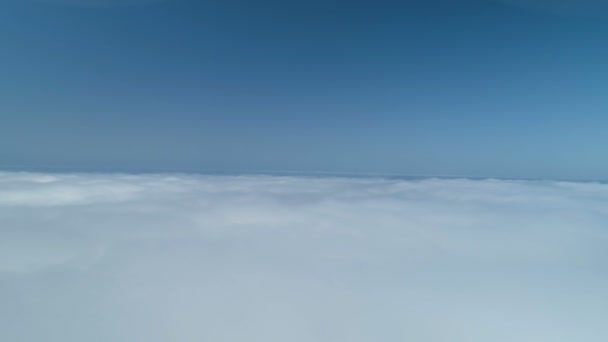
(512, 88)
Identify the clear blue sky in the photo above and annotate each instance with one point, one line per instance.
(511, 88)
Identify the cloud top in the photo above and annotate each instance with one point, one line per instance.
(98, 257)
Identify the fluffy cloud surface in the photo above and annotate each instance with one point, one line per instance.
(161, 258)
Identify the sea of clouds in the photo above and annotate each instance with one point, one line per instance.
(172, 258)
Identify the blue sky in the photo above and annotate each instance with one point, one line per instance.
(510, 88)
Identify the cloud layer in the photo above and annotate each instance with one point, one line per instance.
(264, 258)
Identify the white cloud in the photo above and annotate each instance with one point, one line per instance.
(98, 257)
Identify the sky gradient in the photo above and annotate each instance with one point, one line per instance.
(508, 88)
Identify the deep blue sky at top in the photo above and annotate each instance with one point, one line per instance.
(515, 88)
